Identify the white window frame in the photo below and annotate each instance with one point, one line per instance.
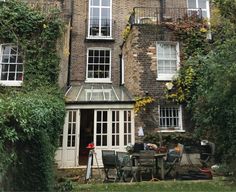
(10, 82)
(99, 35)
(124, 137)
(90, 94)
(116, 128)
(207, 9)
(180, 119)
(168, 76)
(98, 80)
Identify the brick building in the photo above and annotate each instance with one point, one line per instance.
(106, 73)
(102, 73)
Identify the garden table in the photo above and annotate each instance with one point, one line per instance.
(159, 162)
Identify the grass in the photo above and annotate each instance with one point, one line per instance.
(215, 185)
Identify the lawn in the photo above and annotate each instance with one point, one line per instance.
(215, 185)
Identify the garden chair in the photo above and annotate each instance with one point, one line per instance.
(146, 163)
(173, 160)
(207, 152)
(125, 167)
(109, 164)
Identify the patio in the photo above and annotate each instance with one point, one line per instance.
(139, 165)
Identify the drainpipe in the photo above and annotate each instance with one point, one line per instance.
(161, 10)
(70, 43)
(121, 70)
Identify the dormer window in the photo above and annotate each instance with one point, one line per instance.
(11, 65)
(99, 23)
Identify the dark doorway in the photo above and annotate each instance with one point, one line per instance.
(86, 134)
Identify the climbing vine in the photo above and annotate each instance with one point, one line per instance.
(141, 103)
(36, 33)
(31, 116)
(192, 32)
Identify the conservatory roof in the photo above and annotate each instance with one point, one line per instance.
(98, 93)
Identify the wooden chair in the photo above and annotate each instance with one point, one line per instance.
(173, 160)
(125, 167)
(146, 163)
(109, 163)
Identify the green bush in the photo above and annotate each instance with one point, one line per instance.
(33, 122)
(167, 139)
(32, 116)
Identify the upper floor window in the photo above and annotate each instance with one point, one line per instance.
(99, 65)
(195, 5)
(167, 60)
(170, 117)
(99, 24)
(11, 65)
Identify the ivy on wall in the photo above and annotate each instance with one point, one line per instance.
(36, 33)
(141, 103)
(192, 34)
(31, 116)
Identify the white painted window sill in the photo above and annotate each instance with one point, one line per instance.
(11, 83)
(99, 38)
(172, 131)
(97, 81)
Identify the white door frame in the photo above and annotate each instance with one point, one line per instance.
(67, 150)
(95, 107)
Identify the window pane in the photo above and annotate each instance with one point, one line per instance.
(99, 128)
(74, 128)
(19, 59)
(5, 59)
(94, 2)
(98, 142)
(104, 129)
(113, 140)
(105, 2)
(3, 76)
(19, 68)
(73, 141)
(113, 116)
(117, 139)
(204, 14)
(13, 59)
(192, 4)
(202, 4)
(105, 116)
(19, 76)
(125, 140)
(125, 128)
(5, 68)
(11, 76)
(99, 115)
(105, 14)
(68, 141)
(13, 50)
(69, 128)
(104, 140)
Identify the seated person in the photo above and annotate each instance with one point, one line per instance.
(175, 152)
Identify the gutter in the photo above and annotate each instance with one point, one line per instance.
(70, 42)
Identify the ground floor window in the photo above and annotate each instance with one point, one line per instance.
(170, 117)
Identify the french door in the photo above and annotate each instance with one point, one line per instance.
(113, 129)
(67, 153)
